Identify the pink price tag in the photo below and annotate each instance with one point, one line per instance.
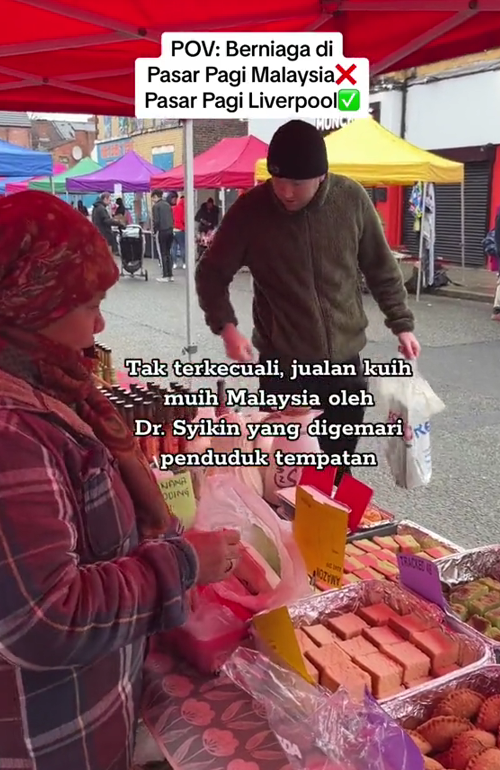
(322, 480)
(422, 577)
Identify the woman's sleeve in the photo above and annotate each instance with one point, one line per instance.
(55, 612)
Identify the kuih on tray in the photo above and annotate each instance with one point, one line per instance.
(376, 558)
(457, 725)
(377, 635)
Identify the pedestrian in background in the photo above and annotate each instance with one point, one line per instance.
(163, 228)
(179, 247)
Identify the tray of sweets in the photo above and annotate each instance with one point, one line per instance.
(377, 635)
(375, 557)
(456, 722)
(471, 583)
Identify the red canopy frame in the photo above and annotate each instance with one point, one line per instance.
(100, 51)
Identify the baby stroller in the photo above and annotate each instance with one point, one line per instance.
(132, 245)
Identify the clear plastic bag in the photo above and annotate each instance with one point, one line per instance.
(319, 730)
(225, 502)
(412, 400)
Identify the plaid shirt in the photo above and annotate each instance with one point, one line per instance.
(79, 597)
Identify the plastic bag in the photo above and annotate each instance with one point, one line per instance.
(412, 400)
(318, 730)
(227, 503)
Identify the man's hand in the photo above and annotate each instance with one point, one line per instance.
(238, 348)
(409, 346)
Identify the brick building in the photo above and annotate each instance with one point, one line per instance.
(159, 141)
(67, 142)
(15, 127)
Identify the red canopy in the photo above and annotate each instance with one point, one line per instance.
(229, 163)
(78, 55)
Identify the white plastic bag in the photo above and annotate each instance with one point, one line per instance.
(225, 502)
(412, 400)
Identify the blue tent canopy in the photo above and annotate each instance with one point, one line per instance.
(18, 162)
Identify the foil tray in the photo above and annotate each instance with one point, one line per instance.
(422, 535)
(412, 709)
(471, 565)
(474, 651)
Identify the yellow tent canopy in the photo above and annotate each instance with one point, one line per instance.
(365, 151)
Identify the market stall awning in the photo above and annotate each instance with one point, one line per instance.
(365, 151)
(79, 56)
(85, 166)
(229, 163)
(22, 163)
(131, 171)
(19, 184)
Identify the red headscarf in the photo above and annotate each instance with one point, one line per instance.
(51, 260)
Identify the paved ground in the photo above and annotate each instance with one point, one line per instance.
(460, 359)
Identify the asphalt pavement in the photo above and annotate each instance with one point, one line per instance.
(460, 359)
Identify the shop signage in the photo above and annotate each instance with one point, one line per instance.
(327, 125)
(107, 152)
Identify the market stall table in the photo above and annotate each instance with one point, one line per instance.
(202, 722)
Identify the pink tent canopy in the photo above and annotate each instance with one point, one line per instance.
(22, 184)
(229, 163)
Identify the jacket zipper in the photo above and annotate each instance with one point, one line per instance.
(311, 259)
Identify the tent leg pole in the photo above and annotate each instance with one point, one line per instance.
(52, 186)
(190, 348)
(421, 243)
(223, 200)
(462, 229)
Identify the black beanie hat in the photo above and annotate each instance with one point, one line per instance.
(297, 151)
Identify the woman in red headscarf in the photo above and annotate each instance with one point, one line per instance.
(91, 562)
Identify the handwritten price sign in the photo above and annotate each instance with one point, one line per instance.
(422, 577)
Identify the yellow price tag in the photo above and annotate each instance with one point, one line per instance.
(178, 493)
(276, 629)
(320, 531)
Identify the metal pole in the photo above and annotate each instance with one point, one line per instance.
(52, 185)
(421, 244)
(462, 228)
(190, 348)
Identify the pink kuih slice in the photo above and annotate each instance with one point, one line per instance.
(441, 648)
(415, 664)
(385, 674)
(382, 636)
(378, 614)
(407, 625)
(346, 626)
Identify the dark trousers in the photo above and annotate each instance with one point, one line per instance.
(324, 387)
(165, 238)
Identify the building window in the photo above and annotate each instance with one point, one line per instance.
(123, 127)
(107, 127)
(163, 157)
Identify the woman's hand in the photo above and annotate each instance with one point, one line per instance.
(217, 553)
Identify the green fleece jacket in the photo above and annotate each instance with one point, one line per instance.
(307, 298)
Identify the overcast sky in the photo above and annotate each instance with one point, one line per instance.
(59, 116)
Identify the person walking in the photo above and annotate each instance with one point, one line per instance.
(496, 233)
(179, 247)
(104, 222)
(82, 208)
(163, 228)
(304, 235)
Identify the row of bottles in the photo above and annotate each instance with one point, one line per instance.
(102, 356)
(147, 402)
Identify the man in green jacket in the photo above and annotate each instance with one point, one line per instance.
(305, 235)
